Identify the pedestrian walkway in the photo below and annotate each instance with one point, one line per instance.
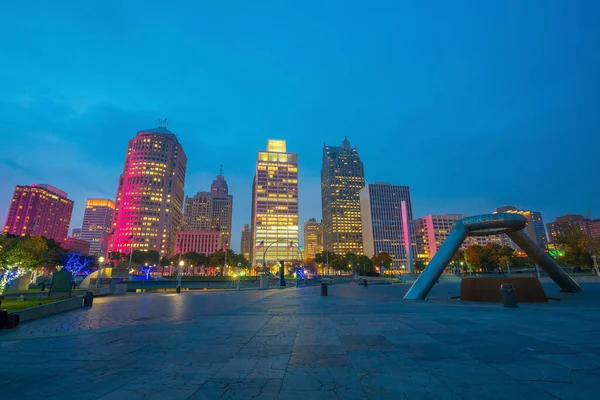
(356, 343)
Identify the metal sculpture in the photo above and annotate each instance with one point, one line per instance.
(484, 225)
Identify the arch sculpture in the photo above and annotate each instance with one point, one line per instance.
(484, 225)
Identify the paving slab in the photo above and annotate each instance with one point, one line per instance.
(355, 343)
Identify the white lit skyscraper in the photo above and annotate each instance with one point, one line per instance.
(275, 205)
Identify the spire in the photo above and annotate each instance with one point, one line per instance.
(221, 170)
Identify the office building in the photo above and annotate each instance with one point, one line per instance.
(535, 228)
(96, 224)
(207, 242)
(246, 242)
(39, 210)
(387, 223)
(149, 201)
(275, 205)
(74, 245)
(566, 222)
(210, 211)
(313, 239)
(432, 231)
(342, 178)
(76, 233)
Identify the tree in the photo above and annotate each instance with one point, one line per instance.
(77, 263)
(21, 254)
(472, 257)
(419, 265)
(383, 260)
(578, 247)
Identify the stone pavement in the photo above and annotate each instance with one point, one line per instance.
(357, 343)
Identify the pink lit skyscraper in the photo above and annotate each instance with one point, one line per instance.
(39, 210)
(148, 207)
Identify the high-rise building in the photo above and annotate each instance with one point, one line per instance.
(566, 222)
(222, 207)
(149, 201)
(313, 239)
(275, 205)
(210, 211)
(198, 212)
(342, 178)
(246, 245)
(39, 210)
(387, 223)
(76, 233)
(535, 226)
(96, 224)
(432, 231)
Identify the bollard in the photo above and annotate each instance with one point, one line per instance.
(509, 296)
(178, 290)
(323, 289)
(365, 283)
(88, 299)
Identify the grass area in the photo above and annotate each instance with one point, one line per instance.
(14, 305)
(26, 291)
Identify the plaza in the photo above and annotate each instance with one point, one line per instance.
(356, 343)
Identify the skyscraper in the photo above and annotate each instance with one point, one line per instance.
(387, 223)
(535, 226)
(210, 211)
(275, 205)
(313, 239)
(342, 178)
(566, 222)
(222, 207)
(149, 202)
(76, 233)
(39, 210)
(246, 245)
(96, 224)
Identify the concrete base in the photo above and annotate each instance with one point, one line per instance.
(46, 310)
(527, 289)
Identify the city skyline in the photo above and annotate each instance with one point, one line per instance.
(444, 94)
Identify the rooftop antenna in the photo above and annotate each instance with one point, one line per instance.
(221, 170)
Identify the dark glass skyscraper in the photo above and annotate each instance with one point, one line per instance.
(342, 178)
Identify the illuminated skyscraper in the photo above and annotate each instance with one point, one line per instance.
(275, 205)
(150, 193)
(387, 223)
(198, 212)
(96, 224)
(342, 178)
(39, 210)
(313, 239)
(246, 245)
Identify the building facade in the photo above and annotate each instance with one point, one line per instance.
(76, 233)
(96, 225)
(566, 222)
(313, 239)
(432, 231)
(246, 242)
(75, 245)
(210, 211)
(342, 178)
(208, 242)
(535, 228)
(39, 210)
(149, 201)
(275, 205)
(387, 223)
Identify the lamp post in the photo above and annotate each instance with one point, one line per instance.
(100, 262)
(179, 266)
(238, 276)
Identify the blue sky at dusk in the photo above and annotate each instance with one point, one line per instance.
(473, 104)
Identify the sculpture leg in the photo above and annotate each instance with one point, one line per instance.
(440, 261)
(543, 260)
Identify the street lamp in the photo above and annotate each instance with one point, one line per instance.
(179, 276)
(100, 262)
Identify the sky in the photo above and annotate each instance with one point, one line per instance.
(472, 104)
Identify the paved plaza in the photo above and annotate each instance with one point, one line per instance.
(356, 343)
